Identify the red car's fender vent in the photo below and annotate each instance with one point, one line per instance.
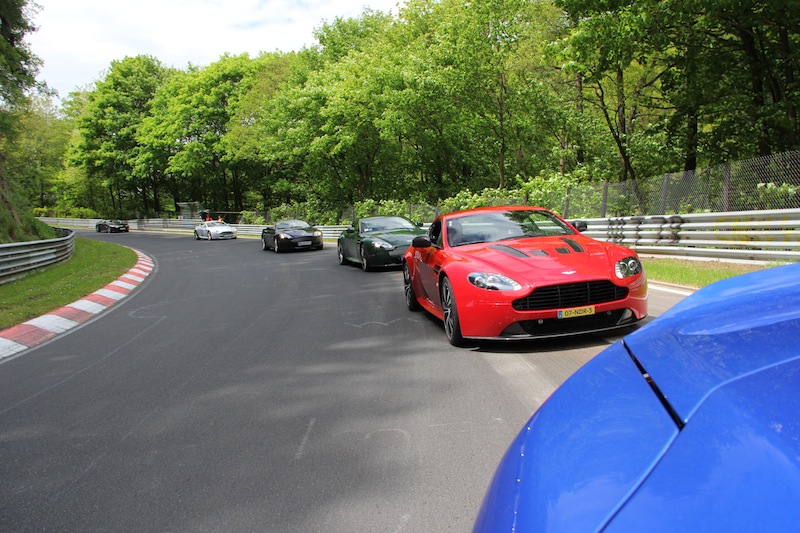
(576, 247)
(571, 295)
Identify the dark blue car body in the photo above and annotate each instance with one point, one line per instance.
(691, 423)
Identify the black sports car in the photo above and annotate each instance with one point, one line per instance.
(377, 241)
(111, 226)
(291, 235)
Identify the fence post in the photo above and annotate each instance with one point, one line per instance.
(726, 190)
(664, 194)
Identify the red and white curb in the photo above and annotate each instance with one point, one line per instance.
(38, 330)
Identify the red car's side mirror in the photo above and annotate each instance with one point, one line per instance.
(421, 241)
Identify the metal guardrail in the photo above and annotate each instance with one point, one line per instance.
(18, 259)
(745, 235)
(772, 235)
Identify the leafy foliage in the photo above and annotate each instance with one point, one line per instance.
(522, 100)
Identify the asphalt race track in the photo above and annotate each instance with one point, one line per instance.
(243, 390)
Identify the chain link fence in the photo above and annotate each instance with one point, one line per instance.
(764, 183)
(771, 182)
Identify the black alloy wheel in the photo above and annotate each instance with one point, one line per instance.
(408, 287)
(340, 254)
(452, 327)
(365, 266)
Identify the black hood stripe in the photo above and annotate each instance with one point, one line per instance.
(509, 250)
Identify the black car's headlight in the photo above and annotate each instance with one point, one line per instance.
(493, 282)
(380, 243)
(317, 233)
(630, 266)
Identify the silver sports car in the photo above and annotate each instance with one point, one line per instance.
(213, 230)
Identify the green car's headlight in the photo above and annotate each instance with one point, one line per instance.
(380, 243)
(493, 282)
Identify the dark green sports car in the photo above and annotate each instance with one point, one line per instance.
(377, 241)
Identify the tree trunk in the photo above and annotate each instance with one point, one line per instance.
(580, 154)
(622, 125)
(690, 161)
(789, 71)
(747, 38)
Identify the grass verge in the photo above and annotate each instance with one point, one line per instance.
(695, 273)
(94, 265)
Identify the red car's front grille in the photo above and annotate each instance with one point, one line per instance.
(571, 295)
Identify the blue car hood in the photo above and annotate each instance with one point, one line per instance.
(583, 452)
(734, 467)
(723, 332)
(718, 449)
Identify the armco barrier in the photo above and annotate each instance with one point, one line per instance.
(744, 235)
(18, 258)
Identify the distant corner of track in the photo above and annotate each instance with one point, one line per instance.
(17, 339)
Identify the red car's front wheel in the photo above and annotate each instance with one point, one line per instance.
(452, 327)
(408, 286)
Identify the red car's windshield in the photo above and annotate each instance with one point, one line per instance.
(501, 225)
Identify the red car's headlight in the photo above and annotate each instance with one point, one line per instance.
(493, 282)
(630, 266)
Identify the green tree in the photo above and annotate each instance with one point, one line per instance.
(74, 187)
(18, 70)
(318, 137)
(18, 65)
(243, 142)
(195, 119)
(108, 146)
(761, 41)
(717, 77)
(424, 120)
(36, 157)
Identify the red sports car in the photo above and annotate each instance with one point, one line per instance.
(521, 272)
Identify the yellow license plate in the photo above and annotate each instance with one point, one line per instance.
(576, 312)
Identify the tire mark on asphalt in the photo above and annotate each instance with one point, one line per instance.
(301, 451)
